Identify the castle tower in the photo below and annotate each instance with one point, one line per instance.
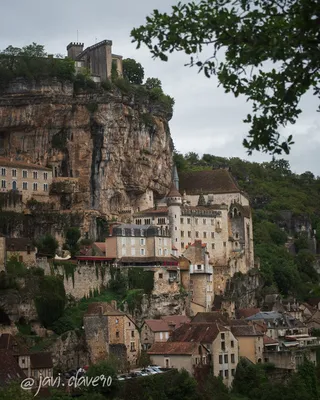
(175, 177)
(74, 49)
(174, 202)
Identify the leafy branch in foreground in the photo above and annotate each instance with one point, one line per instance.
(270, 52)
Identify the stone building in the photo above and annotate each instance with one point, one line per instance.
(98, 59)
(180, 355)
(159, 330)
(201, 280)
(222, 346)
(25, 181)
(213, 209)
(250, 340)
(22, 249)
(131, 240)
(111, 332)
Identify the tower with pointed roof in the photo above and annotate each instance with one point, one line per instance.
(174, 202)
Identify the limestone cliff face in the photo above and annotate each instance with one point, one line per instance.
(112, 147)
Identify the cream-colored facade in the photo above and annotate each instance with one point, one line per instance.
(129, 240)
(30, 180)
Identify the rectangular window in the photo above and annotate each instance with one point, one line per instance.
(142, 242)
(232, 343)
(226, 358)
(221, 374)
(160, 276)
(35, 175)
(189, 234)
(142, 252)
(212, 246)
(232, 358)
(45, 176)
(181, 221)
(189, 220)
(204, 221)
(182, 233)
(35, 187)
(25, 185)
(165, 252)
(223, 346)
(204, 235)
(220, 359)
(222, 336)
(212, 235)
(224, 244)
(14, 173)
(24, 174)
(233, 371)
(197, 234)
(182, 245)
(45, 187)
(132, 333)
(3, 184)
(160, 252)
(132, 346)
(3, 172)
(226, 373)
(117, 334)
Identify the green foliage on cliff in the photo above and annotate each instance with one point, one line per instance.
(138, 278)
(32, 62)
(51, 299)
(282, 202)
(47, 245)
(133, 71)
(73, 235)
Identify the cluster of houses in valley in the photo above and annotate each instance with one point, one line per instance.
(195, 239)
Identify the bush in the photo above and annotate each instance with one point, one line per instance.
(123, 85)
(106, 85)
(133, 71)
(47, 245)
(62, 325)
(16, 268)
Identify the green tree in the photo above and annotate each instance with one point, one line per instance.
(51, 299)
(152, 83)
(270, 50)
(14, 392)
(108, 369)
(47, 245)
(72, 238)
(133, 71)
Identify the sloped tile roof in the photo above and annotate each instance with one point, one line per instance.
(41, 360)
(245, 330)
(174, 192)
(22, 164)
(269, 340)
(214, 316)
(214, 181)
(11, 343)
(19, 244)
(181, 348)
(177, 320)
(197, 332)
(9, 368)
(157, 325)
(246, 312)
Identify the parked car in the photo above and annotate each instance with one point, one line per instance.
(121, 377)
(157, 369)
(150, 371)
(144, 372)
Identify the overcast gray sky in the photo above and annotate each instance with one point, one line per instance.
(206, 120)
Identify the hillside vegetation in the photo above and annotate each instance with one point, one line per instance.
(282, 203)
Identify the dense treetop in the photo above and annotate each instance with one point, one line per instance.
(267, 51)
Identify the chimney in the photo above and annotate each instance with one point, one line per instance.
(114, 304)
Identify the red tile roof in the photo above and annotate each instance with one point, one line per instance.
(214, 316)
(173, 192)
(214, 181)
(269, 340)
(9, 368)
(101, 246)
(197, 332)
(181, 348)
(23, 164)
(246, 312)
(157, 325)
(177, 320)
(245, 330)
(159, 210)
